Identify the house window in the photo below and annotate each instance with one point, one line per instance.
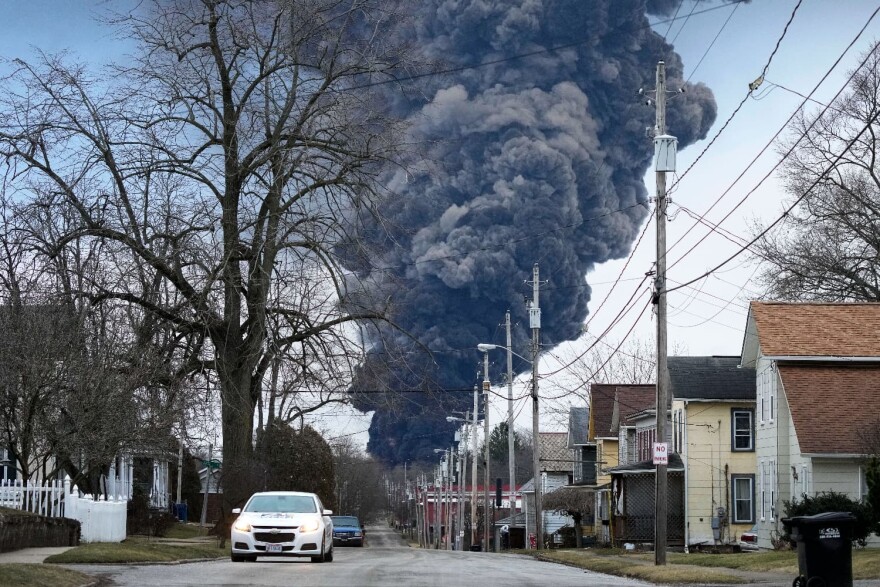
(741, 430)
(743, 487)
(760, 398)
(772, 490)
(771, 400)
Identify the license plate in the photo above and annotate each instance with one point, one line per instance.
(273, 548)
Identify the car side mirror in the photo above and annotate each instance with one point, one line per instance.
(327, 513)
(236, 510)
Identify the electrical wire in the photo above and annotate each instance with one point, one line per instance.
(773, 139)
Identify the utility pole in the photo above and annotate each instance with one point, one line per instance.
(474, 537)
(209, 473)
(462, 477)
(664, 160)
(486, 387)
(449, 471)
(535, 324)
(511, 439)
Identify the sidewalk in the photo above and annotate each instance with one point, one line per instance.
(31, 555)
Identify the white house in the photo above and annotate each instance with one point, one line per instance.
(818, 391)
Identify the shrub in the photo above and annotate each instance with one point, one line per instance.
(832, 501)
(141, 519)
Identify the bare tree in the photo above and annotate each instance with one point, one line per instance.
(576, 502)
(828, 247)
(219, 166)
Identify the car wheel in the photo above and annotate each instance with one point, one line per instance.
(328, 558)
(236, 558)
(321, 557)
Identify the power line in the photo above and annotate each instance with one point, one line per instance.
(740, 105)
(712, 44)
(462, 68)
(788, 210)
(770, 141)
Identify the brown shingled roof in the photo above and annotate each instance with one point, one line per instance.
(818, 329)
(631, 398)
(832, 405)
(555, 454)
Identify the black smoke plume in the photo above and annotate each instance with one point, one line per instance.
(537, 157)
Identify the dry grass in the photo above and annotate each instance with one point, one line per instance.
(763, 562)
(639, 569)
(37, 575)
(138, 550)
(186, 531)
(866, 563)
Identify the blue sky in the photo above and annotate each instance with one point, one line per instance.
(708, 318)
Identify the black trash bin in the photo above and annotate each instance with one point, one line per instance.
(824, 545)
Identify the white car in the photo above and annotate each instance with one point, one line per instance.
(282, 523)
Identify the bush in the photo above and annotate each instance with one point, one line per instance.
(832, 501)
(142, 519)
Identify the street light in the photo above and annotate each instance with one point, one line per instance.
(485, 348)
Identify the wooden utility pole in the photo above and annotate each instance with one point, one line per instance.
(664, 160)
(511, 439)
(535, 323)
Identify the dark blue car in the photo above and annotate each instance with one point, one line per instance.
(347, 530)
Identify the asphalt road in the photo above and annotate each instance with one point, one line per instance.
(385, 560)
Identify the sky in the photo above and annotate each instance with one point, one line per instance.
(706, 318)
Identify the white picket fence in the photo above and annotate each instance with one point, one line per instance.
(100, 520)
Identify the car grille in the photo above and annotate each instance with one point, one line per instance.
(274, 538)
(343, 534)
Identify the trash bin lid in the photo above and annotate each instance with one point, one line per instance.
(823, 519)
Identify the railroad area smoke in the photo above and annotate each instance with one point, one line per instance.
(537, 157)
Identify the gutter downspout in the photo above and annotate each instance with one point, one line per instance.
(687, 520)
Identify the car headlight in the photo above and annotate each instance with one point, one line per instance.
(357, 534)
(242, 526)
(310, 526)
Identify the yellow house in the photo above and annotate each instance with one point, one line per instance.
(713, 429)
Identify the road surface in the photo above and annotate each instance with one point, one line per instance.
(385, 560)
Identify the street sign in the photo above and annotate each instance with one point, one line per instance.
(661, 453)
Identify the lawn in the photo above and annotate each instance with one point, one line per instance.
(611, 563)
(700, 567)
(187, 531)
(37, 575)
(139, 550)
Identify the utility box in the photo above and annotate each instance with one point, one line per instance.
(665, 148)
(534, 316)
(824, 545)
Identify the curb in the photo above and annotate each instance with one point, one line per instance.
(144, 563)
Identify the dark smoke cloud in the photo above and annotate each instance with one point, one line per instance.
(531, 160)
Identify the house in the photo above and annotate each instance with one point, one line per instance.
(607, 403)
(713, 415)
(555, 465)
(817, 369)
(8, 467)
(633, 483)
(585, 466)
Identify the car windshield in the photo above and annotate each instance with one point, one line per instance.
(345, 521)
(297, 504)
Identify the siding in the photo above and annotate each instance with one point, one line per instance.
(710, 464)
